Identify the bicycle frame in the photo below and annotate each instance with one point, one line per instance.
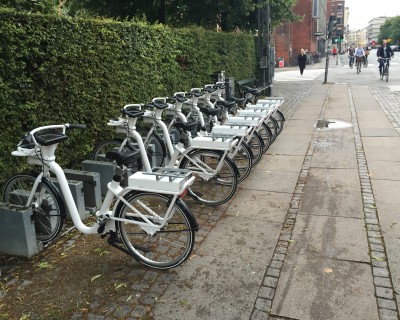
(44, 156)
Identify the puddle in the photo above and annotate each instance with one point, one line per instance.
(332, 124)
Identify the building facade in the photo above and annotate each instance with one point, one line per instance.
(309, 34)
(372, 32)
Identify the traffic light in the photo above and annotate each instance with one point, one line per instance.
(341, 38)
(335, 40)
(332, 26)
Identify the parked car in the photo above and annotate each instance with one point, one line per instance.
(395, 47)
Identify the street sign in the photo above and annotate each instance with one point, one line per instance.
(316, 34)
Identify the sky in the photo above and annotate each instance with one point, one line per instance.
(362, 11)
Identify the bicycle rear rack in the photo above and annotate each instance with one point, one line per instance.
(161, 180)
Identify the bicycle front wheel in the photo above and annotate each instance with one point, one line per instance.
(257, 146)
(47, 206)
(243, 158)
(280, 118)
(266, 135)
(387, 74)
(167, 247)
(216, 176)
(274, 126)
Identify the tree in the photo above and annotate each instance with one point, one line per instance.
(390, 30)
(227, 14)
(39, 6)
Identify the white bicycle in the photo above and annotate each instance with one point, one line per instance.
(143, 217)
(206, 157)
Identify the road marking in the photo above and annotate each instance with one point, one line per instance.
(394, 88)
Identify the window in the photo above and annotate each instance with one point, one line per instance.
(339, 8)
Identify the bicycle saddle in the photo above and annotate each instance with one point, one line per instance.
(227, 104)
(157, 105)
(254, 91)
(123, 158)
(197, 93)
(186, 126)
(237, 100)
(210, 111)
(132, 113)
(180, 98)
(210, 89)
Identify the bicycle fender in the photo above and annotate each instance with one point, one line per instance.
(192, 220)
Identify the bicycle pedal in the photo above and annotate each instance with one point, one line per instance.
(101, 228)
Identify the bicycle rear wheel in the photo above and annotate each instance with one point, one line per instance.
(166, 248)
(211, 187)
(47, 205)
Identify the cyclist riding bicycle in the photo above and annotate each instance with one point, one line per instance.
(384, 51)
(359, 54)
(351, 57)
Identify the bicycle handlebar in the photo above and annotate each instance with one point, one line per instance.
(75, 126)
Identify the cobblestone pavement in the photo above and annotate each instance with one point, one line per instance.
(144, 286)
(382, 279)
(390, 103)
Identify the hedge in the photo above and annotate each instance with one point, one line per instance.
(58, 70)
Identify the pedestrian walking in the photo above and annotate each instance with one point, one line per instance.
(302, 58)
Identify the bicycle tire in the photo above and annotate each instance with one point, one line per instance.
(386, 74)
(217, 189)
(280, 118)
(155, 149)
(47, 205)
(274, 126)
(381, 74)
(166, 248)
(257, 146)
(267, 136)
(243, 158)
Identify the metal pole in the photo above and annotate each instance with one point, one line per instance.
(326, 61)
(227, 89)
(268, 91)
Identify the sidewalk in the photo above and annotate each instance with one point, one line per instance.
(303, 238)
(312, 234)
